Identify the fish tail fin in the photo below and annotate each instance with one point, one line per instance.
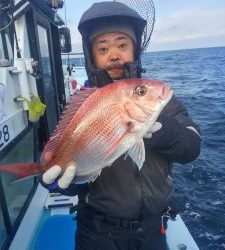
(22, 170)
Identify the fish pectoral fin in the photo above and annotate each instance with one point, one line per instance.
(113, 148)
(137, 153)
(132, 127)
(81, 179)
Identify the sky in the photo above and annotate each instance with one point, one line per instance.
(179, 24)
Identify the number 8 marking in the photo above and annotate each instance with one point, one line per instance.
(6, 133)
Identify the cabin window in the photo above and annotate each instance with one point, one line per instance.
(45, 57)
(6, 46)
(48, 78)
(17, 193)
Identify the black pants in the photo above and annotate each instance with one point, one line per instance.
(96, 232)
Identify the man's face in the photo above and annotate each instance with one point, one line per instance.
(111, 51)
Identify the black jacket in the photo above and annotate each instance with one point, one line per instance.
(125, 192)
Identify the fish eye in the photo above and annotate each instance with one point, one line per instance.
(140, 90)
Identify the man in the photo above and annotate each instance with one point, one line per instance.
(123, 208)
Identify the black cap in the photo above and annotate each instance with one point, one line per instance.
(112, 12)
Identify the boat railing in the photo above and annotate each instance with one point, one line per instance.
(73, 65)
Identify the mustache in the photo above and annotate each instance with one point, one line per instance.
(114, 66)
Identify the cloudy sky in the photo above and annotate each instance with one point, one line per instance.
(180, 24)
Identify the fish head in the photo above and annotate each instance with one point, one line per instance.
(147, 97)
(151, 94)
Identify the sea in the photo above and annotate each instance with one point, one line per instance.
(197, 77)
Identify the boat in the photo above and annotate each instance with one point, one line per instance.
(31, 66)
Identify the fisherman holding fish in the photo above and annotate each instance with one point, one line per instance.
(122, 205)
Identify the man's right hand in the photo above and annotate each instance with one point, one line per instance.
(52, 179)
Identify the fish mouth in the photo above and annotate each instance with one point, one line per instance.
(154, 114)
(167, 95)
(165, 92)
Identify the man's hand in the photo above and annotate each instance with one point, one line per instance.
(51, 178)
(156, 126)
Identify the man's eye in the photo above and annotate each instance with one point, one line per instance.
(102, 50)
(123, 46)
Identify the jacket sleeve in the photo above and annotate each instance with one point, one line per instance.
(179, 138)
(74, 189)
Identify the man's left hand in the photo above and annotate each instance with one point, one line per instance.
(155, 127)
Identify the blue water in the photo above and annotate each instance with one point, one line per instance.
(198, 79)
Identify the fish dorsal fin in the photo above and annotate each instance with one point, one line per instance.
(67, 115)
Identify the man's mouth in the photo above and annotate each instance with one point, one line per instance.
(114, 66)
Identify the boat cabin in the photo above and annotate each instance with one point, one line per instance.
(30, 65)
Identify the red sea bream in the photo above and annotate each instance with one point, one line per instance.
(110, 122)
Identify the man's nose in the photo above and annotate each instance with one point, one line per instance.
(114, 57)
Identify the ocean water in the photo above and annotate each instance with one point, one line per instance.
(198, 79)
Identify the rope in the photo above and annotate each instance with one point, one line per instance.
(8, 24)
